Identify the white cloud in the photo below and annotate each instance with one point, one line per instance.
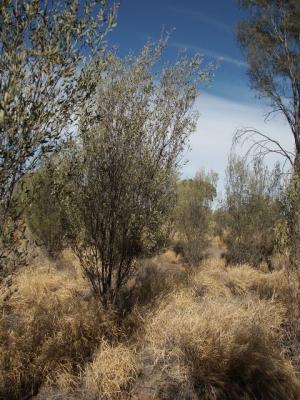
(219, 119)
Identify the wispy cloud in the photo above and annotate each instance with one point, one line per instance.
(210, 53)
(219, 119)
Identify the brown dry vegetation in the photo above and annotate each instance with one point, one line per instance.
(212, 333)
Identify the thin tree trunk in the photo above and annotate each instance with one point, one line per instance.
(294, 220)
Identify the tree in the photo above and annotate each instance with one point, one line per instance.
(252, 212)
(44, 214)
(129, 142)
(271, 41)
(193, 216)
(45, 53)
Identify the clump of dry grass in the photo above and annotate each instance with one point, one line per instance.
(169, 256)
(216, 347)
(47, 323)
(211, 278)
(63, 380)
(112, 372)
(157, 278)
(154, 280)
(276, 285)
(215, 278)
(109, 376)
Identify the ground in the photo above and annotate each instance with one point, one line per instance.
(208, 332)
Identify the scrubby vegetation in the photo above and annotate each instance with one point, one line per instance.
(45, 217)
(193, 219)
(252, 212)
(118, 279)
(120, 191)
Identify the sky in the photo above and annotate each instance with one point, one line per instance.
(228, 104)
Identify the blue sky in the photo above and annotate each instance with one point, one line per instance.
(206, 27)
(199, 26)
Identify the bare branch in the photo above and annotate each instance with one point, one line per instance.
(259, 144)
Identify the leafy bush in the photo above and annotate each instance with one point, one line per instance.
(193, 215)
(41, 92)
(122, 168)
(44, 215)
(289, 229)
(252, 212)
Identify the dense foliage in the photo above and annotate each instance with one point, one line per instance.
(193, 215)
(123, 163)
(45, 54)
(252, 211)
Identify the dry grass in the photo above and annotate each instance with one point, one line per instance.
(156, 278)
(48, 323)
(241, 280)
(211, 333)
(111, 373)
(109, 376)
(169, 256)
(216, 348)
(220, 337)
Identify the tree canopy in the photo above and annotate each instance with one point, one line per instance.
(270, 38)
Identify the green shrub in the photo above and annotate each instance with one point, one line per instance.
(193, 215)
(44, 215)
(123, 165)
(253, 212)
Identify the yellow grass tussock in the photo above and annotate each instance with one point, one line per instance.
(49, 321)
(169, 256)
(217, 348)
(112, 372)
(217, 279)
